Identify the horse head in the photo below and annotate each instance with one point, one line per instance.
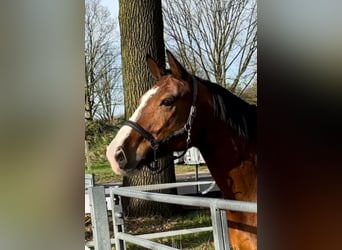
(162, 123)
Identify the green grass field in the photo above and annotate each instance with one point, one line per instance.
(203, 240)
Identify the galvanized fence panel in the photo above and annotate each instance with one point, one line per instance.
(217, 208)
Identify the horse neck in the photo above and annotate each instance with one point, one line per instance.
(230, 158)
(219, 140)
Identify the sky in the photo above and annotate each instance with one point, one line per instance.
(113, 6)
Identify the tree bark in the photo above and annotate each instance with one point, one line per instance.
(137, 207)
(141, 28)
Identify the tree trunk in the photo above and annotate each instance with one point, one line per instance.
(138, 207)
(141, 28)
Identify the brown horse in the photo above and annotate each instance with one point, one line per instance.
(182, 110)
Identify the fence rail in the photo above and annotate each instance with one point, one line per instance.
(234, 205)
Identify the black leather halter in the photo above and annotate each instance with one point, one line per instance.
(186, 129)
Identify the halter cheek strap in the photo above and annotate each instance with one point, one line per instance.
(185, 129)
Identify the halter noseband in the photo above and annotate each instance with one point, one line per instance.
(155, 144)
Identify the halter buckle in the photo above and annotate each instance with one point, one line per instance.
(154, 145)
(193, 111)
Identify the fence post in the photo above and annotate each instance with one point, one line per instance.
(99, 218)
(220, 228)
(89, 180)
(118, 220)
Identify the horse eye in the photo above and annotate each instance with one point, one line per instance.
(167, 102)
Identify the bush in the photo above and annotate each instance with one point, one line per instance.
(98, 135)
(98, 130)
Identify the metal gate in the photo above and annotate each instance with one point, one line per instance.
(102, 240)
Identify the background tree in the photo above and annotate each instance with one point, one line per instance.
(215, 39)
(141, 28)
(249, 94)
(102, 86)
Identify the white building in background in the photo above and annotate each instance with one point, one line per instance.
(192, 157)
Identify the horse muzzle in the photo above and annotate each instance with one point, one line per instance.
(122, 160)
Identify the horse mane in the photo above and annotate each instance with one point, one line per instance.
(234, 111)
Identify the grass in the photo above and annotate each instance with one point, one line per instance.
(196, 241)
(103, 173)
(183, 169)
(192, 219)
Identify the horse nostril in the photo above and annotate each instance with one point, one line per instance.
(121, 157)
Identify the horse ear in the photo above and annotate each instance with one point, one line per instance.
(176, 68)
(154, 67)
